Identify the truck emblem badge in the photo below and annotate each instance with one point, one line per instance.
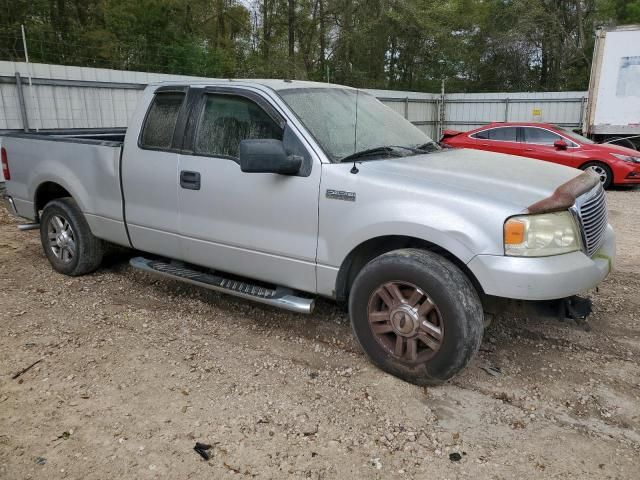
(341, 195)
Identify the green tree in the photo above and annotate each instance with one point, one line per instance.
(473, 45)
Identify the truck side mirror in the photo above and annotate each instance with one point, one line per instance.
(267, 156)
(560, 144)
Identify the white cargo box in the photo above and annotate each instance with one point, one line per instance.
(614, 88)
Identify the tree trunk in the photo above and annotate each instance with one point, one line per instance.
(81, 12)
(347, 31)
(392, 63)
(266, 30)
(221, 30)
(323, 45)
(292, 37)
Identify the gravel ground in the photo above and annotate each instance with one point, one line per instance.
(134, 370)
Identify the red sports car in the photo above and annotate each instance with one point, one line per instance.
(614, 164)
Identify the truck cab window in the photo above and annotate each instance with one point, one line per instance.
(160, 123)
(229, 119)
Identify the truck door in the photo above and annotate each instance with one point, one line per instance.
(259, 225)
(149, 173)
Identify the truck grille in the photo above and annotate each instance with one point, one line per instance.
(591, 209)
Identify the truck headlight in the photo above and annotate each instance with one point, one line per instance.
(541, 235)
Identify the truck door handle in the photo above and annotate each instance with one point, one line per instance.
(190, 180)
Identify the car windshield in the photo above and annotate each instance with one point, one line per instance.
(330, 116)
(574, 135)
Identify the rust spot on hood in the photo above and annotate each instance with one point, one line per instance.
(565, 195)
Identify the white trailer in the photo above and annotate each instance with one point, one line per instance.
(613, 109)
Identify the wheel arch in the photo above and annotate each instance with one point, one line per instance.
(372, 248)
(605, 164)
(46, 192)
(595, 160)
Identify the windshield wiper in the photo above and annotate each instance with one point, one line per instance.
(390, 150)
(428, 147)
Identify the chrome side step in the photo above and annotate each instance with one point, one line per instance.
(278, 297)
(28, 226)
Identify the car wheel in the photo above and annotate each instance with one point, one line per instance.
(416, 316)
(67, 239)
(602, 170)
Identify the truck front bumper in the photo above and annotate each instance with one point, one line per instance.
(544, 278)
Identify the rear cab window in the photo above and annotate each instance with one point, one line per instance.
(160, 123)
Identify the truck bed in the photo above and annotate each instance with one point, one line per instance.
(83, 161)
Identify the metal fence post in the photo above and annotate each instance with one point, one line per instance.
(23, 107)
(583, 102)
(436, 122)
(506, 109)
(441, 116)
(406, 108)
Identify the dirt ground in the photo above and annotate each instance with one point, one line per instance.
(134, 370)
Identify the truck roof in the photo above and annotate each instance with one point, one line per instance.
(273, 84)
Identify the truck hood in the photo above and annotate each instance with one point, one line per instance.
(509, 179)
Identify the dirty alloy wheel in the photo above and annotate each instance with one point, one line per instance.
(62, 240)
(67, 239)
(416, 315)
(405, 322)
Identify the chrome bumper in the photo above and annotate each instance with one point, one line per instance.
(544, 278)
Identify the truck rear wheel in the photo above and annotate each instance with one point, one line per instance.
(67, 239)
(416, 316)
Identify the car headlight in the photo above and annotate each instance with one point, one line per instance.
(627, 158)
(541, 235)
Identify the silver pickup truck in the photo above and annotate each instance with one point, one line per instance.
(280, 191)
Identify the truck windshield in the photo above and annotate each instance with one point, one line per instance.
(330, 116)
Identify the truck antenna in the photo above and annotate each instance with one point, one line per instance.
(354, 169)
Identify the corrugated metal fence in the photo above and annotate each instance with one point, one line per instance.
(69, 97)
(466, 111)
(56, 96)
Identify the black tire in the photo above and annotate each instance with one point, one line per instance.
(603, 170)
(89, 250)
(458, 312)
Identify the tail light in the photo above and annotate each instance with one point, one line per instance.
(5, 165)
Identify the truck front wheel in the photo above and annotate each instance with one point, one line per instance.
(416, 316)
(67, 239)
